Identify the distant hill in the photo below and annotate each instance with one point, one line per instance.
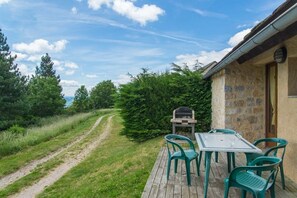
(69, 100)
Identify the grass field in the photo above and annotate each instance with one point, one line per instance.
(116, 168)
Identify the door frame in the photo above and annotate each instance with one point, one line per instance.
(267, 97)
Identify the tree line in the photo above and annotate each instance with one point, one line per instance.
(146, 103)
(24, 100)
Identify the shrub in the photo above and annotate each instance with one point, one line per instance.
(17, 130)
(147, 102)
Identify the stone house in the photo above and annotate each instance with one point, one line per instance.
(254, 87)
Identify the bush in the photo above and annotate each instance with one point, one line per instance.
(147, 102)
(17, 130)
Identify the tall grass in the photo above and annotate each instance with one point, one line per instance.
(11, 143)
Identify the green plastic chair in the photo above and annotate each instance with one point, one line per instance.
(230, 155)
(177, 152)
(246, 178)
(271, 151)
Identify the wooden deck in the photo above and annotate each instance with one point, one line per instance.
(158, 186)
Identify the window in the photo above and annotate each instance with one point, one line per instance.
(292, 77)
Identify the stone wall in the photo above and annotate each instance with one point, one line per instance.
(245, 100)
(218, 100)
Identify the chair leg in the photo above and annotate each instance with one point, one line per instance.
(168, 167)
(199, 161)
(226, 192)
(272, 191)
(229, 161)
(233, 160)
(175, 165)
(204, 160)
(217, 157)
(188, 172)
(197, 166)
(243, 193)
(261, 194)
(282, 175)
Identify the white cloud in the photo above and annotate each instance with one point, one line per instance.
(69, 72)
(71, 65)
(34, 58)
(25, 70)
(20, 56)
(122, 79)
(69, 83)
(4, 1)
(74, 10)
(203, 57)
(40, 46)
(147, 13)
(206, 57)
(142, 15)
(238, 37)
(205, 13)
(91, 76)
(96, 4)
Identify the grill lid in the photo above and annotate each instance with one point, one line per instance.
(183, 112)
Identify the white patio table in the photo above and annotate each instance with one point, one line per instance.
(212, 142)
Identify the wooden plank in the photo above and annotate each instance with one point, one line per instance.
(149, 183)
(162, 190)
(185, 192)
(154, 191)
(158, 186)
(169, 190)
(177, 191)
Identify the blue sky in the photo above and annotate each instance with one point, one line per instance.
(95, 40)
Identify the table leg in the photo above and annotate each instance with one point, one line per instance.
(208, 161)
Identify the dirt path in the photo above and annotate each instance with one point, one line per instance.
(11, 178)
(69, 163)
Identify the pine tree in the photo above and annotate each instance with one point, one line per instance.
(81, 99)
(46, 68)
(12, 88)
(45, 92)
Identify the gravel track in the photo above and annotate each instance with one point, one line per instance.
(69, 163)
(25, 170)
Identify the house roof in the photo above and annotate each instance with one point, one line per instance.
(279, 21)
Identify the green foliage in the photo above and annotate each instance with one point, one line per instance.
(148, 101)
(12, 88)
(103, 94)
(44, 92)
(81, 101)
(11, 143)
(16, 129)
(46, 68)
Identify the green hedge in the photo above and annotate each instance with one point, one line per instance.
(147, 102)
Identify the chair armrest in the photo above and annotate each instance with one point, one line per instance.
(259, 141)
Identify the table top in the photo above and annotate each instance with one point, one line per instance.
(224, 143)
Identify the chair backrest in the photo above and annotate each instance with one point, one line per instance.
(280, 145)
(225, 131)
(173, 146)
(260, 165)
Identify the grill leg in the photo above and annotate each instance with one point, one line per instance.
(173, 128)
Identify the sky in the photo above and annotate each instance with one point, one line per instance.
(91, 41)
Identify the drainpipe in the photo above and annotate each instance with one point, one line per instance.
(277, 25)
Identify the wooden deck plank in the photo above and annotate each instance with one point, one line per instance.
(176, 187)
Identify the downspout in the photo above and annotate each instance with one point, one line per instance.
(277, 25)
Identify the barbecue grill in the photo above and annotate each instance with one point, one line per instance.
(183, 117)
